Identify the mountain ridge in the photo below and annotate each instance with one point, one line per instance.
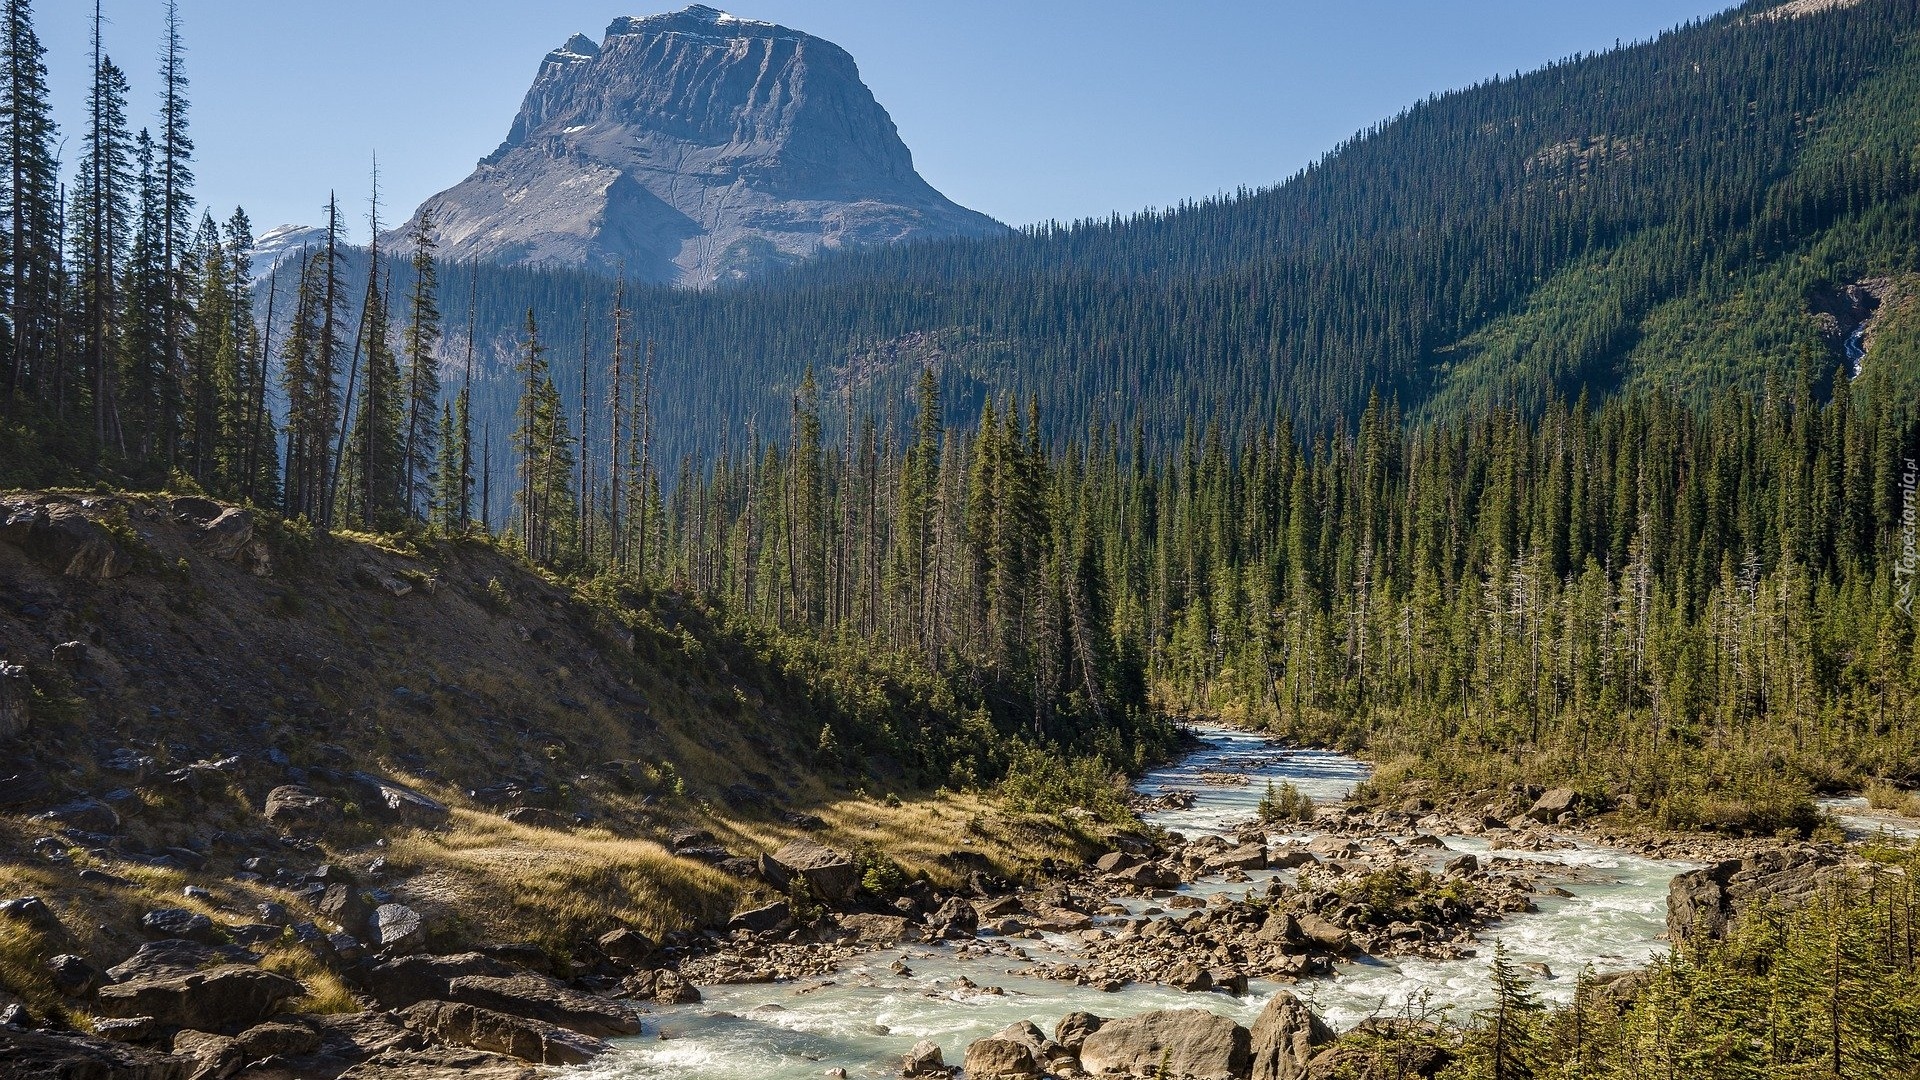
(694, 147)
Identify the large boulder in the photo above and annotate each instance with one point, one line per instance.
(828, 874)
(88, 815)
(228, 998)
(397, 802)
(292, 806)
(1548, 807)
(924, 1061)
(516, 1036)
(16, 698)
(1189, 1043)
(1072, 1030)
(61, 536)
(227, 534)
(1001, 1059)
(881, 930)
(399, 983)
(1285, 1036)
(1697, 902)
(175, 957)
(764, 919)
(46, 1055)
(1322, 934)
(441, 1063)
(954, 919)
(544, 999)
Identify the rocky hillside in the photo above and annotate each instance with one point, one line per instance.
(692, 148)
(255, 783)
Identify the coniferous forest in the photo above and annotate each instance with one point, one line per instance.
(1524, 439)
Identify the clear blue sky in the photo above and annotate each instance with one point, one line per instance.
(1025, 110)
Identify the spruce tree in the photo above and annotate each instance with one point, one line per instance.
(421, 347)
(30, 200)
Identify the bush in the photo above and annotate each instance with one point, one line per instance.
(1284, 802)
(1046, 781)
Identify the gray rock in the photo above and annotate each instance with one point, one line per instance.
(46, 1055)
(516, 1036)
(90, 815)
(16, 699)
(397, 927)
(663, 149)
(179, 923)
(924, 1060)
(398, 802)
(1548, 807)
(1188, 1042)
(1285, 1036)
(293, 806)
(626, 946)
(662, 986)
(34, 914)
(226, 536)
(1073, 1029)
(538, 817)
(231, 997)
(440, 1063)
(763, 919)
(401, 982)
(61, 536)
(543, 999)
(72, 975)
(829, 874)
(1001, 1059)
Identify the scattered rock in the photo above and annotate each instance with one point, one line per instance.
(1073, 1029)
(440, 1064)
(62, 536)
(879, 930)
(484, 1029)
(629, 948)
(662, 986)
(32, 913)
(397, 802)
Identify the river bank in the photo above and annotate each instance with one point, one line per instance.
(1579, 905)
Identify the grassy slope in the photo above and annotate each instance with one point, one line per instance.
(493, 674)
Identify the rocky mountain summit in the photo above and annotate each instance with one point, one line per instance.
(694, 147)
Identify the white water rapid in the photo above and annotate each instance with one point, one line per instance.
(864, 1017)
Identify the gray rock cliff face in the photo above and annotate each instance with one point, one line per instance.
(694, 147)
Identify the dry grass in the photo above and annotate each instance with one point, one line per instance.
(505, 882)
(325, 992)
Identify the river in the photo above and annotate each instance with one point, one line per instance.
(865, 1016)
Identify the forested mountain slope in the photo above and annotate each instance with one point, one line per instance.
(1688, 212)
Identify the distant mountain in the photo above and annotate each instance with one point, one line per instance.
(274, 246)
(693, 148)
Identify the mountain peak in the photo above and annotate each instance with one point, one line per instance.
(695, 147)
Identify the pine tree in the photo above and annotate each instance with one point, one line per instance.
(421, 348)
(29, 251)
(101, 219)
(174, 150)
